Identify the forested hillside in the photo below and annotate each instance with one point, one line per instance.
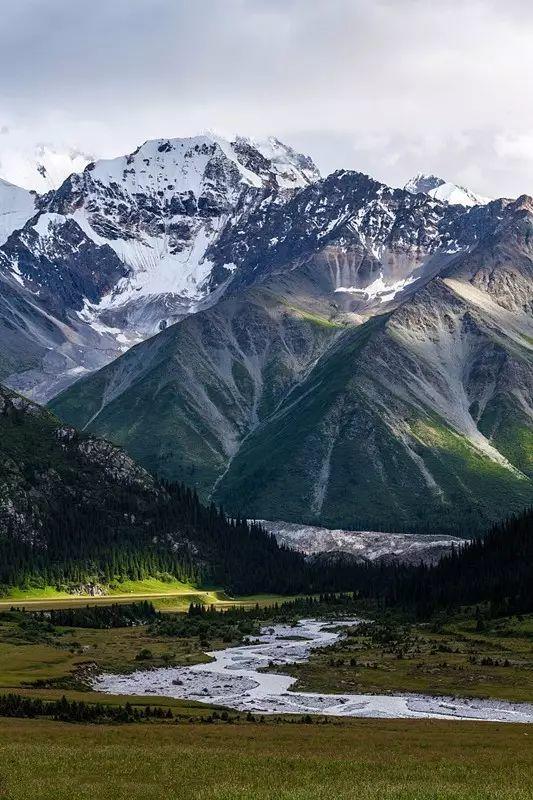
(75, 509)
(496, 570)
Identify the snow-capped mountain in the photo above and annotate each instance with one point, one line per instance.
(17, 206)
(359, 353)
(445, 191)
(162, 207)
(120, 250)
(133, 244)
(373, 239)
(344, 410)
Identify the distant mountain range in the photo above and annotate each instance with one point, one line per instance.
(327, 350)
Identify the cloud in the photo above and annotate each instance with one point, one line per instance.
(389, 87)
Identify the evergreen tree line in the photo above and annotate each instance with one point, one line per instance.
(314, 605)
(134, 534)
(117, 615)
(15, 705)
(237, 623)
(496, 570)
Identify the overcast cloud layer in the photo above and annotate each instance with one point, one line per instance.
(388, 87)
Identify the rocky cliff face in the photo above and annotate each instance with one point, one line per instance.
(44, 462)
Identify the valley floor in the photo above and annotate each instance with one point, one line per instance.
(363, 759)
(455, 659)
(194, 756)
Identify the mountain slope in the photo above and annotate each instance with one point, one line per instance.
(161, 207)
(76, 509)
(381, 434)
(422, 416)
(183, 401)
(120, 251)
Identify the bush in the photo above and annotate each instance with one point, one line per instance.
(144, 655)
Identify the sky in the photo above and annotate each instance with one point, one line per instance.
(386, 87)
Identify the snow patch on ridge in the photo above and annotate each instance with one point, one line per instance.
(379, 289)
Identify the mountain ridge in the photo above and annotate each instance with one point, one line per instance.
(444, 190)
(440, 349)
(167, 221)
(386, 331)
(144, 222)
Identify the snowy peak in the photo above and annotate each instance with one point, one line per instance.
(458, 195)
(423, 184)
(133, 244)
(123, 249)
(445, 191)
(203, 164)
(161, 208)
(17, 206)
(291, 169)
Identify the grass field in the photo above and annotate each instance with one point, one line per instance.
(456, 660)
(23, 662)
(363, 760)
(280, 759)
(166, 596)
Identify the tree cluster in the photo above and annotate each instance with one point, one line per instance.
(15, 705)
(117, 615)
(496, 570)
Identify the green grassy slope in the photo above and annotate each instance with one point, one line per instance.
(416, 420)
(181, 402)
(373, 480)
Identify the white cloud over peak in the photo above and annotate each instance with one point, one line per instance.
(389, 87)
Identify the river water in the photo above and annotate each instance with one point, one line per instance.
(233, 680)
